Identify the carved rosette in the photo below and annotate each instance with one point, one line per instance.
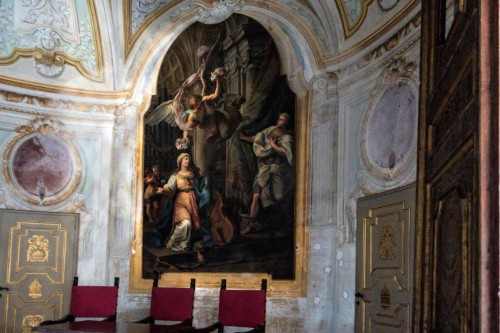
(41, 165)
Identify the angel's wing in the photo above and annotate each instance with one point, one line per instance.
(163, 112)
(212, 61)
(170, 112)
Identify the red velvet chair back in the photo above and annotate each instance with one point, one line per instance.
(243, 308)
(175, 304)
(93, 301)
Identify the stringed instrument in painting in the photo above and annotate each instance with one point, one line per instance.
(222, 229)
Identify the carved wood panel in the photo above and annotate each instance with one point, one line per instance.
(446, 279)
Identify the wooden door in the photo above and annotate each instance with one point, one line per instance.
(384, 261)
(456, 272)
(38, 257)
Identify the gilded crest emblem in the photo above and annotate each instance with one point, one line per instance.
(31, 321)
(35, 289)
(38, 249)
(387, 243)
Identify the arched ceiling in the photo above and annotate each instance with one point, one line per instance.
(94, 38)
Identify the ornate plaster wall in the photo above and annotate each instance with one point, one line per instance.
(340, 82)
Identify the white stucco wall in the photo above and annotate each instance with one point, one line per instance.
(338, 98)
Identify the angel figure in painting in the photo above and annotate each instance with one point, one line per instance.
(208, 118)
(172, 111)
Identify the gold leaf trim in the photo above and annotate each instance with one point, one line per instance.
(44, 56)
(351, 28)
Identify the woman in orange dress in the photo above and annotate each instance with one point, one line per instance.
(180, 187)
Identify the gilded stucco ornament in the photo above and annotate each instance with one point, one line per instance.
(31, 321)
(48, 61)
(53, 33)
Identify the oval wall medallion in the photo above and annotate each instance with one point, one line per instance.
(41, 165)
(389, 131)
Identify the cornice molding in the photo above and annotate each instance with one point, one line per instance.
(373, 38)
(24, 102)
(28, 85)
(385, 47)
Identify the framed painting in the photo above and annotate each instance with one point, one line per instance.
(221, 195)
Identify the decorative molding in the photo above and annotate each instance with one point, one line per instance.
(382, 49)
(146, 16)
(140, 10)
(368, 43)
(213, 11)
(216, 11)
(53, 37)
(51, 103)
(86, 224)
(387, 5)
(41, 165)
(39, 87)
(325, 95)
(310, 18)
(60, 17)
(353, 14)
(400, 75)
(31, 321)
